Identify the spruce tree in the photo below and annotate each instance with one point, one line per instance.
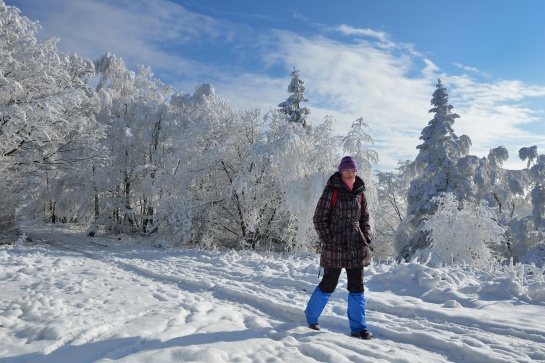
(436, 173)
(292, 106)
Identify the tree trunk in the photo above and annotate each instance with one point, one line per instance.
(96, 201)
(128, 209)
(52, 211)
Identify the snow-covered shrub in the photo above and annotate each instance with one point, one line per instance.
(471, 234)
(525, 281)
(536, 255)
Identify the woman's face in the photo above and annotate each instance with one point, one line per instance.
(349, 174)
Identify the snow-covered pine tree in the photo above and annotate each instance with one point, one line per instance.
(437, 172)
(291, 107)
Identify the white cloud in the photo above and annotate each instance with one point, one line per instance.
(297, 15)
(349, 30)
(467, 68)
(140, 32)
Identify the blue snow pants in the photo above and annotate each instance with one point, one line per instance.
(356, 298)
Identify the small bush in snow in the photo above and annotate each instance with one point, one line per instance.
(469, 235)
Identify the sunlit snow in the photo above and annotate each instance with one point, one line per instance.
(67, 297)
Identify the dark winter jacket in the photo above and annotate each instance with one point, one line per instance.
(343, 229)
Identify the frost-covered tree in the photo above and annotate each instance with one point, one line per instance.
(502, 189)
(135, 110)
(301, 160)
(536, 173)
(240, 187)
(291, 107)
(46, 110)
(392, 188)
(220, 191)
(469, 234)
(538, 202)
(437, 172)
(491, 179)
(529, 154)
(354, 143)
(491, 182)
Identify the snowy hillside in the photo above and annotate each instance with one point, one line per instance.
(66, 297)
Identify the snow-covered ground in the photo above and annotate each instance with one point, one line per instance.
(65, 297)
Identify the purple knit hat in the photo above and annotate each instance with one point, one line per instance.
(348, 162)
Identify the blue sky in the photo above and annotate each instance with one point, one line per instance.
(379, 60)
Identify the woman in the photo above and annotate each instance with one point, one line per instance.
(342, 222)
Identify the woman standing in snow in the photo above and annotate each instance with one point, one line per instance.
(342, 222)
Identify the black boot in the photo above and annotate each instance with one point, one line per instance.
(364, 334)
